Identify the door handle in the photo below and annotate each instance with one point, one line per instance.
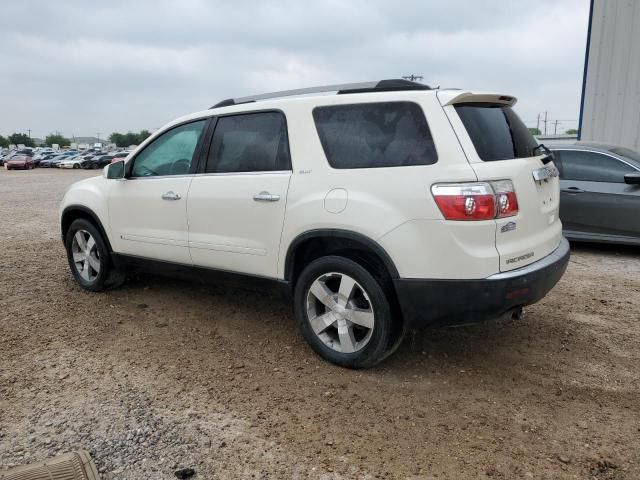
(266, 197)
(572, 190)
(171, 196)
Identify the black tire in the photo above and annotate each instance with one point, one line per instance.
(381, 338)
(75, 165)
(108, 276)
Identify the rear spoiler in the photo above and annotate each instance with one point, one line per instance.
(451, 97)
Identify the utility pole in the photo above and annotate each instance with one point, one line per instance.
(29, 130)
(555, 126)
(413, 78)
(98, 135)
(545, 123)
(538, 123)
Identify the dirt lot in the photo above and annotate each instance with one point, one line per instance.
(160, 374)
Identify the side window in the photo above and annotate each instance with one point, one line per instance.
(252, 142)
(169, 154)
(592, 167)
(374, 135)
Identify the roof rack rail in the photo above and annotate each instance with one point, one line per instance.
(390, 85)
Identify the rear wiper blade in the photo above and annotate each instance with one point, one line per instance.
(549, 154)
(543, 147)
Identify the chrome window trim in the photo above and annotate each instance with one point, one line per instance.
(219, 174)
(151, 177)
(226, 174)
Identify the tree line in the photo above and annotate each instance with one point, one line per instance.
(536, 131)
(120, 139)
(129, 138)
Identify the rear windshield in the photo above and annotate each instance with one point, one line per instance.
(496, 131)
(374, 135)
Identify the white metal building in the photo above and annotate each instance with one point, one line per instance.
(610, 108)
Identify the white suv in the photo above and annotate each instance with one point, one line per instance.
(380, 207)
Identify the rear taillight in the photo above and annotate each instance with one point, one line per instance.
(476, 200)
(506, 201)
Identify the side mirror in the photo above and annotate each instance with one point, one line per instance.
(632, 178)
(114, 170)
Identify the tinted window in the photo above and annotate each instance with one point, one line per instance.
(169, 154)
(255, 142)
(373, 135)
(496, 131)
(591, 167)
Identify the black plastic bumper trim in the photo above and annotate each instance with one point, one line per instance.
(426, 302)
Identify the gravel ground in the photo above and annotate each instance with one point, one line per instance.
(160, 375)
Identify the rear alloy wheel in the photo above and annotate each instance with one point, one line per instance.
(89, 257)
(75, 165)
(343, 312)
(340, 312)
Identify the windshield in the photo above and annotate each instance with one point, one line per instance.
(496, 131)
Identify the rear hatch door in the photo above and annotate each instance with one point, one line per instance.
(500, 147)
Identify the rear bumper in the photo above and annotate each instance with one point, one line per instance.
(449, 302)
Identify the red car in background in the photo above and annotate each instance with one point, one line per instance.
(19, 162)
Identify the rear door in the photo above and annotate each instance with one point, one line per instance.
(500, 147)
(595, 199)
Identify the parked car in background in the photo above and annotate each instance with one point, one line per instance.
(86, 159)
(74, 161)
(98, 161)
(52, 162)
(6, 157)
(600, 192)
(120, 156)
(38, 160)
(20, 162)
(68, 156)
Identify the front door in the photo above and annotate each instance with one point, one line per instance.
(147, 210)
(236, 207)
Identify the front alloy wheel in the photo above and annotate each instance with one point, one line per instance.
(86, 258)
(89, 257)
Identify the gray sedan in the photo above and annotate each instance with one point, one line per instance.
(599, 192)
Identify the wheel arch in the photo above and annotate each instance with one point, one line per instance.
(73, 212)
(316, 243)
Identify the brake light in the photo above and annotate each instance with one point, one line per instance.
(476, 200)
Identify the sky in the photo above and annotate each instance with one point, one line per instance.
(82, 68)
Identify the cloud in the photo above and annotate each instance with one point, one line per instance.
(81, 67)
